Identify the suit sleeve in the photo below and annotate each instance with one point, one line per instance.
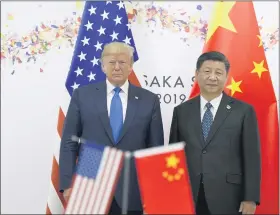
(68, 147)
(251, 157)
(174, 136)
(156, 136)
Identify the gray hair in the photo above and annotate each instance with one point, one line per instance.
(118, 47)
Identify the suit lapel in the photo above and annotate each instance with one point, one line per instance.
(223, 111)
(132, 104)
(101, 104)
(197, 119)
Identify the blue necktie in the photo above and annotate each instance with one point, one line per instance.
(207, 121)
(116, 114)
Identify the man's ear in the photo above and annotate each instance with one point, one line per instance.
(227, 73)
(196, 74)
(103, 67)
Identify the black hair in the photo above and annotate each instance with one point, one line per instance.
(214, 56)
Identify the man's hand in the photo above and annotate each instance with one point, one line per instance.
(247, 207)
(66, 194)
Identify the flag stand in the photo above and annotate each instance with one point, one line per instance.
(126, 182)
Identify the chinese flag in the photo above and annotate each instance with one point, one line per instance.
(163, 180)
(234, 31)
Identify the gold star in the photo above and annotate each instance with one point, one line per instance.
(221, 18)
(165, 174)
(181, 171)
(259, 68)
(172, 161)
(170, 178)
(234, 86)
(260, 44)
(177, 177)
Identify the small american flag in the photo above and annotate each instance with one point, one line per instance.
(102, 22)
(97, 173)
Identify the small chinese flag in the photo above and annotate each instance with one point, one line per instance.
(238, 37)
(163, 180)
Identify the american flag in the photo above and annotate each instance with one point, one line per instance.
(102, 22)
(97, 173)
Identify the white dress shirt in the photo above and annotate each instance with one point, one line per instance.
(215, 105)
(123, 95)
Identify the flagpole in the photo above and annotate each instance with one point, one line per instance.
(126, 182)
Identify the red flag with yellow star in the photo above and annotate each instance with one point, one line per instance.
(164, 181)
(234, 32)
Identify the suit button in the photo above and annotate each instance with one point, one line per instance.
(204, 151)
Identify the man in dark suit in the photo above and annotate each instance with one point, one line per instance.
(222, 143)
(114, 113)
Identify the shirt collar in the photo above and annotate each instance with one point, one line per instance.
(111, 87)
(214, 102)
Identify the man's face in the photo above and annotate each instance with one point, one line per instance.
(211, 77)
(117, 67)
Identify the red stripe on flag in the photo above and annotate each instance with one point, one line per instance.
(98, 180)
(109, 167)
(133, 79)
(60, 122)
(98, 187)
(48, 210)
(55, 167)
(55, 181)
(89, 191)
(83, 194)
(73, 196)
(112, 178)
(115, 184)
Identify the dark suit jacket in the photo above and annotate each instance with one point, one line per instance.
(87, 117)
(229, 160)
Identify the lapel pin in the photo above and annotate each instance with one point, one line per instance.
(136, 97)
(228, 107)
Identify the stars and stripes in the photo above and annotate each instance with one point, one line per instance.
(96, 176)
(102, 23)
